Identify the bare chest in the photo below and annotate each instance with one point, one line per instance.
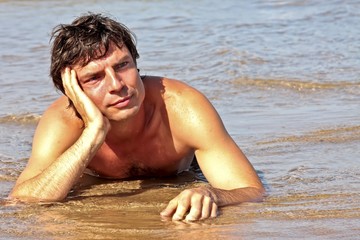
(151, 157)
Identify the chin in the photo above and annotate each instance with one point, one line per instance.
(123, 115)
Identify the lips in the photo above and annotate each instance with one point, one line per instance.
(123, 102)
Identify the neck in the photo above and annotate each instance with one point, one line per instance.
(131, 128)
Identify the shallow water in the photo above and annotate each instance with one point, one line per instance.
(284, 76)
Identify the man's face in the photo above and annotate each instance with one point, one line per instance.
(113, 83)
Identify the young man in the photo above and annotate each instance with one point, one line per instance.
(118, 124)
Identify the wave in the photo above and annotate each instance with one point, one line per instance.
(297, 85)
(26, 118)
(335, 135)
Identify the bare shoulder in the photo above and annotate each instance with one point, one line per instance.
(191, 115)
(57, 130)
(59, 114)
(172, 91)
(59, 124)
(59, 127)
(179, 97)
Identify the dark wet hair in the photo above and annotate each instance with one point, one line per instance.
(87, 38)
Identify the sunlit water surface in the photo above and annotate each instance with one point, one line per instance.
(284, 76)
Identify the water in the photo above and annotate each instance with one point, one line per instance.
(284, 76)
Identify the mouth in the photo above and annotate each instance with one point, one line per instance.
(123, 102)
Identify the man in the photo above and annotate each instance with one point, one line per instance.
(118, 124)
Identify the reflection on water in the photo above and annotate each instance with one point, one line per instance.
(284, 76)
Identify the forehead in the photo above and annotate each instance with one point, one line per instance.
(113, 54)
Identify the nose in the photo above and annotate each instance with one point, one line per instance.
(115, 82)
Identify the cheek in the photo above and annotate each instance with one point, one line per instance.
(97, 95)
(141, 90)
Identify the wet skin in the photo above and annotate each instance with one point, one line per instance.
(134, 127)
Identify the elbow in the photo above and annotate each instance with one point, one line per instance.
(26, 197)
(259, 193)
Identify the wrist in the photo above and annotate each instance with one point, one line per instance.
(212, 192)
(94, 134)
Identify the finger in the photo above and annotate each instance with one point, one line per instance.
(70, 83)
(170, 208)
(181, 211)
(65, 76)
(77, 92)
(206, 208)
(64, 72)
(183, 205)
(196, 209)
(214, 210)
(74, 81)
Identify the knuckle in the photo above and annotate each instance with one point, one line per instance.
(184, 199)
(187, 192)
(208, 199)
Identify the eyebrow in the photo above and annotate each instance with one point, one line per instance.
(93, 73)
(88, 75)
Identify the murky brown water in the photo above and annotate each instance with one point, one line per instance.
(284, 76)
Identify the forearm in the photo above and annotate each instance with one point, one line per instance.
(236, 196)
(56, 180)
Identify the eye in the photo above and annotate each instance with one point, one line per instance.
(93, 78)
(121, 66)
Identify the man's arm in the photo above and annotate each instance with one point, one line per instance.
(231, 176)
(59, 155)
